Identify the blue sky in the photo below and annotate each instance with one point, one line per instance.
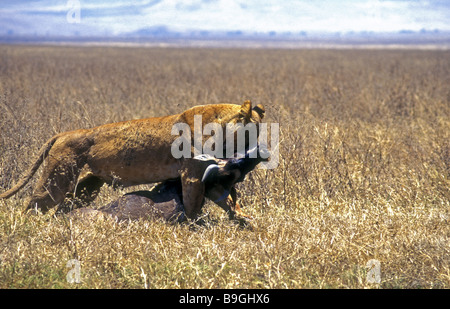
(115, 17)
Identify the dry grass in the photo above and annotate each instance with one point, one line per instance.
(364, 168)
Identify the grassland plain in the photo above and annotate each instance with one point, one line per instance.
(364, 168)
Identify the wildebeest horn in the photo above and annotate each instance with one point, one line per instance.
(210, 171)
(252, 153)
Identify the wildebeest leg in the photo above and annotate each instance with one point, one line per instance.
(237, 208)
(228, 204)
(231, 206)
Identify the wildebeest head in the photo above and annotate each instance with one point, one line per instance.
(221, 176)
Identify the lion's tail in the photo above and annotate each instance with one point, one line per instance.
(43, 152)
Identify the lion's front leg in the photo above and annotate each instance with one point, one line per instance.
(193, 194)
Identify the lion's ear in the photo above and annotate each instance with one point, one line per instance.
(260, 110)
(246, 110)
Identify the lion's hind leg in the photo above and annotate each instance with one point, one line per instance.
(52, 189)
(56, 184)
(42, 200)
(85, 191)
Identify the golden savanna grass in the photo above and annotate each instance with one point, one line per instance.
(363, 174)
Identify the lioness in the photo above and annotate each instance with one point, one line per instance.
(126, 153)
